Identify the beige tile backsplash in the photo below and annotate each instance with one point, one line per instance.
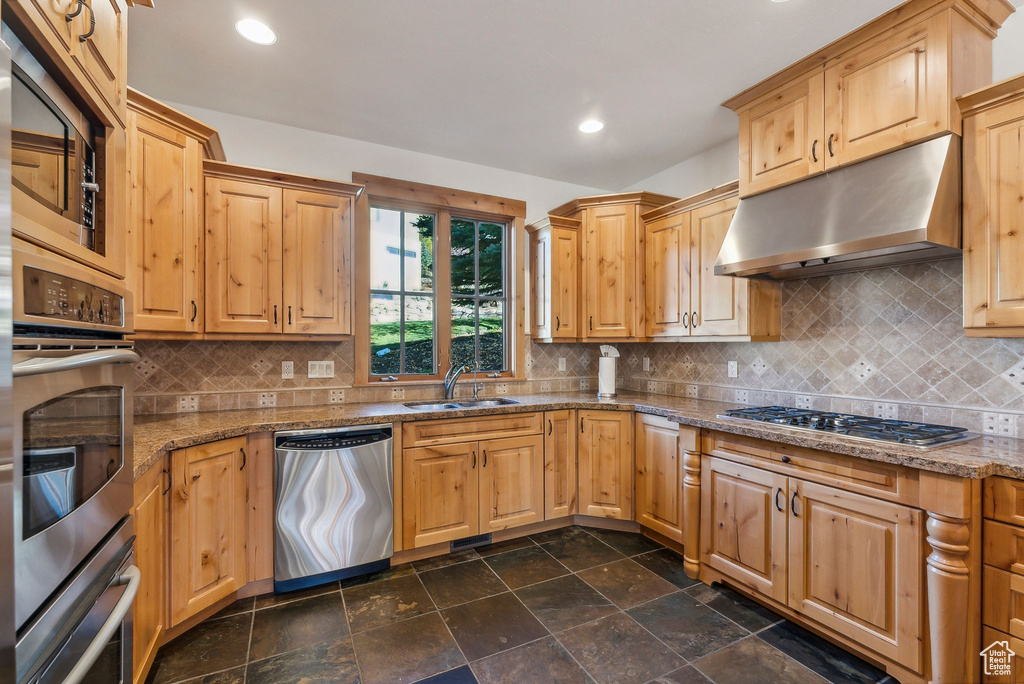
(883, 340)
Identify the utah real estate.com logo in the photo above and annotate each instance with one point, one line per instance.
(997, 658)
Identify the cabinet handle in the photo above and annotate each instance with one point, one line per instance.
(196, 477)
(591, 323)
(474, 458)
(71, 15)
(831, 137)
(694, 320)
(814, 150)
(195, 312)
(168, 474)
(581, 425)
(550, 427)
(792, 504)
(275, 314)
(92, 26)
(558, 323)
(244, 458)
(777, 505)
(485, 458)
(686, 321)
(289, 314)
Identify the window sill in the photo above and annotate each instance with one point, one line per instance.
(433, 381)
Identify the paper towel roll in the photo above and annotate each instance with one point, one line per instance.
(606, 376)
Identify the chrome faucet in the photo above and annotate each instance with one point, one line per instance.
(452, 377)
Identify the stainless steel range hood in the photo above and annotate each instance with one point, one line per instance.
(899, 208)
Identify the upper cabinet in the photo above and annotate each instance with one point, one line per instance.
(165, 214)
(684, 297)
(103, 50)
(993, 217)
(891, 83)
(554, 263)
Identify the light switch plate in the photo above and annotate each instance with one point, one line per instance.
(561, 364)
(328, 369)
(337, 396)
(647, 364)
(287, 370)
(733, 369)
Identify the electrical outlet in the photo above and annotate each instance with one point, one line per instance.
(268, 399)
(803, 402)
(584, 384)
(287, 370)
(561, 364)
(545, 387)
(397, 393)
(742, 397)
(647, 364)
(999, 424)
(886, 411)
(734, 371)
(337, 396)
(501, 388)
(692, 391)
(188, 403)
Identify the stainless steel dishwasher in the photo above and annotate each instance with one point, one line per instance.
(333, 504)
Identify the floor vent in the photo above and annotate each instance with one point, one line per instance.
(471, 542)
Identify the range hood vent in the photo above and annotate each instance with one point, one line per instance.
(899, 208)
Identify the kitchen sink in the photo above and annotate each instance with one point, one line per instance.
(467, 404)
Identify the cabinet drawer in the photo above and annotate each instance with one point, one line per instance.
(1003, 546)
(991, 636)
(1002, 605)
(867, 477)
(1004, 500)
(470, 429)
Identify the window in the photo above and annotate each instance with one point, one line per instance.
(442, 284)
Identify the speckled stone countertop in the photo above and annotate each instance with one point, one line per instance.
(978, 458)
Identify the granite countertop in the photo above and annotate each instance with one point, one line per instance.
(978, 458)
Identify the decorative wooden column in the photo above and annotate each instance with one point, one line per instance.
(953, 576)
(690, 448)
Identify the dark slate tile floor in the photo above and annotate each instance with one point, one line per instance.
(569, 605)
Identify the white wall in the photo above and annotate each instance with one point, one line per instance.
(1008, 47)
(261, 143)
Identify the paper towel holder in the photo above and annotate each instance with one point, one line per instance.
(606, 371)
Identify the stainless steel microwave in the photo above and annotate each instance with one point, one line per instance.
(53, 154)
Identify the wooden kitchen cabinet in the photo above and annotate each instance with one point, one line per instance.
(744, 517)
(441, 494)
(208, 525)
(890, 83)
(554, 278)
(609, 289)
(559, 464)
(511, 482)
(659, 475)
(993, 215)
(150, 513)
(684, 297)
(103, 55)
(855, 566)
(605, 464)
(165, 215)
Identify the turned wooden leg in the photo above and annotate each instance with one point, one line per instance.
(691, 512)
(948, 597)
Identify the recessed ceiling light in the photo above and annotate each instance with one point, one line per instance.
(780, 0)
(591, 126)
(256, 31)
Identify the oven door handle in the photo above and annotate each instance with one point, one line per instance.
(130, 576)
(43, 364)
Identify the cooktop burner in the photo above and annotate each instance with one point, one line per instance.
(920, 435)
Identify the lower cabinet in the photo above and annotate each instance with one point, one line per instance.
(849, 562)
(605, 461)
(208, 525)
(559, 464)
(511, 482)
(659, 476)
(149, 618)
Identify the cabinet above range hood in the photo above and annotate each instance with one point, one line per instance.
(899, 208)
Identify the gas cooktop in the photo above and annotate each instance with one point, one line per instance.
(904, 432)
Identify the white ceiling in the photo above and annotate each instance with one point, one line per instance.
(499, 83)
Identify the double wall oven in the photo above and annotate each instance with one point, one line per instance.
(73, 478)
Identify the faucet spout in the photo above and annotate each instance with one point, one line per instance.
(452, 377)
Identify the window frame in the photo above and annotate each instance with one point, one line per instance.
(444, 204)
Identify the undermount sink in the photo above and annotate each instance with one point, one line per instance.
(467, 404)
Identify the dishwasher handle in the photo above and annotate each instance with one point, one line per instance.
(333, 441)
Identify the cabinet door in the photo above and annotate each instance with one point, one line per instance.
(559, 464)
(511, 482)
(103, 56)
(149, 617)
(890, 94)
(540, 284)
(610, 256)
(782, 138)
(243, 257)
(317, 263)
(53, 13)
(743, 525)
(719, 302)
(993, 220)
(606, 464)
(667, 243)
(440, 494)
(855, 565)
(165, 176)
(565, 257)
(208, 525)
(659, 476)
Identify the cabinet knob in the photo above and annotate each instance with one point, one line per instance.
(786, 459)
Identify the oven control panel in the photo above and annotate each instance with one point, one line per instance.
(70, 301)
